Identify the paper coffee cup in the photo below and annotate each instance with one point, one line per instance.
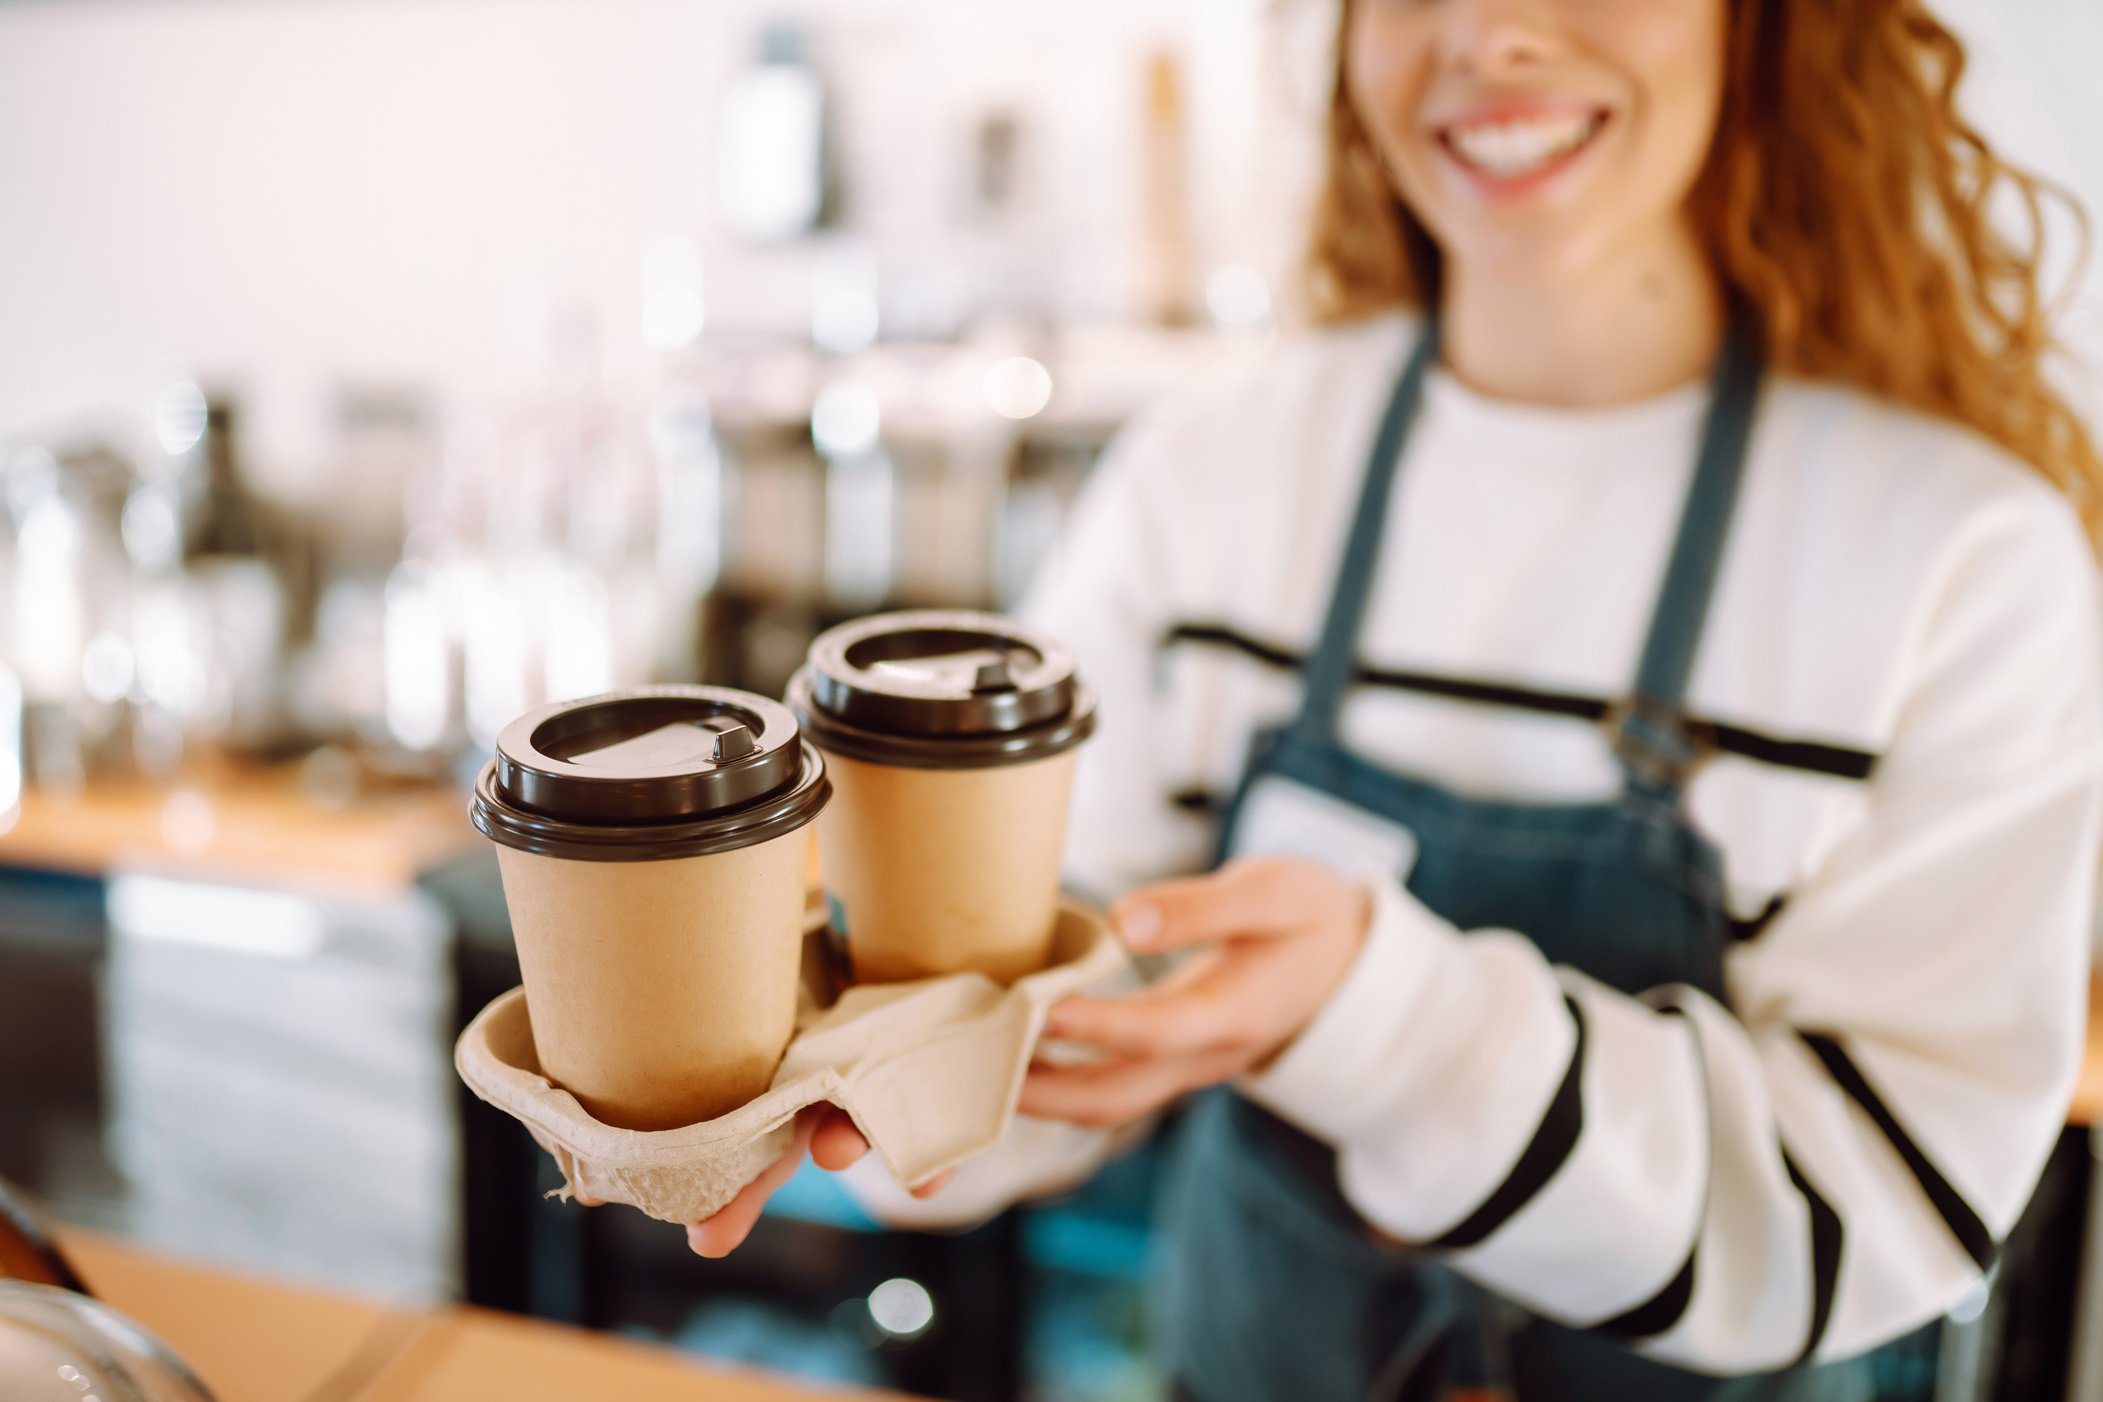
(950, 740)
(653, 847)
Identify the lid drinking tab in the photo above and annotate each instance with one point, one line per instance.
(941, 689)
(735, 742)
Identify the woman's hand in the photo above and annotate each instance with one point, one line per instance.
(828, 1135)
(1275, 936)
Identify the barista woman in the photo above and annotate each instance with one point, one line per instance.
(1640, 660)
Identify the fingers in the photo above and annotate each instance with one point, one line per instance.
(836, 1143)
(829, 1136)
(1246, 998)
(1119, 1092)
(1256, 896)
(1186, 970)
(1219, 1007)
(935, 1184)
(726, 1231)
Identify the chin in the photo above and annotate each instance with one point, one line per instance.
(1531, 254)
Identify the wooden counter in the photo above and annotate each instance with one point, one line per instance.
(257, 825)
(253, 1340)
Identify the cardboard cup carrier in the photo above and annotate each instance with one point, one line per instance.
(951, 739)
(653, 847)
(928, 1070)
(678, 1009)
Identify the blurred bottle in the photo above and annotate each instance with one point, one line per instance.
(775, 177)
(166, 627)
(861, 495)
(501, 675)
(420, 659)
(683, 495)
(1167, 261)
(241, 573)
(693, 504)
(70, 603)
(226, 520)
(384, 453)
(846, 288)
(251, 576)
(996, 166)
(49, 603)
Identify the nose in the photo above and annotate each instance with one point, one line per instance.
(1487, 38)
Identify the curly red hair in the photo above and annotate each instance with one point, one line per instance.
(1855, 227)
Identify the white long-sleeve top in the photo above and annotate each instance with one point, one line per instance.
(1891, 585)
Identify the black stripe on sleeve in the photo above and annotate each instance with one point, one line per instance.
(1964, 1224)
(1837, 760)
(1744, 930)
(1827, 1237)
(1517, 698)
(1553, 1140)
(1218, 635)
(1812, 756)
(1658, 1313)
(1661, 1311)
(1202, 802)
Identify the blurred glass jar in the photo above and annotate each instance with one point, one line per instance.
(64, 1347)
(66, 596)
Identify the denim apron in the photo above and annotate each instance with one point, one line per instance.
(1273, 1287)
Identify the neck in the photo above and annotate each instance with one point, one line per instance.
(1638, 325)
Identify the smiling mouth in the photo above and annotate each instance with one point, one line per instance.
(1514, 148)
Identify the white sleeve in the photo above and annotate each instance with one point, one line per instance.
(1034, 1159)
(1107, 594)
(1831, 1160)
(1102, 594)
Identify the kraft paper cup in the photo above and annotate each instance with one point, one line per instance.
(939, 871)
(653, 847)
(950, 739)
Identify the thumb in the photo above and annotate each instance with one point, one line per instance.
(1253, 897)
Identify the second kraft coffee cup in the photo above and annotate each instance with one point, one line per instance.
(950, 738)
(653, 845)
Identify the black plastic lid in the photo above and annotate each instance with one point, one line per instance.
(658, 772)
(941, 690)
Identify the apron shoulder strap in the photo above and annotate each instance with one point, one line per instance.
(1329, 669)
(1648, 730)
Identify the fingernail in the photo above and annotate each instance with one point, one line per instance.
(1139, 924)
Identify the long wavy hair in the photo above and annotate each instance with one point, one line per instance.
(1854, 225)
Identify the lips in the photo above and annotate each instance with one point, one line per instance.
(1515, 146)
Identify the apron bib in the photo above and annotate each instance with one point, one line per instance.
(1273, 1287)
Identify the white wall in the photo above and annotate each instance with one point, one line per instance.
(282, 195)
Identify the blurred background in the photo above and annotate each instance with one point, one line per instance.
(372, 371)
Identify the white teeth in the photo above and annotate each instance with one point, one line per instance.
(1521, 146)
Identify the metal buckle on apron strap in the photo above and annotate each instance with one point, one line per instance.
(1656, 740)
